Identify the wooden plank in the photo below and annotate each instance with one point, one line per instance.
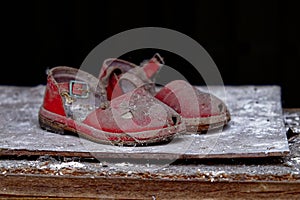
(256, 130)
(116, 188)
(259, 178)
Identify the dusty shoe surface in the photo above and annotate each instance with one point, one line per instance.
(200, 111)
(76, 101)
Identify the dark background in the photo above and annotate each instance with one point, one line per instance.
(251, 42)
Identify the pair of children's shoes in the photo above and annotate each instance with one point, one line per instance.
(122, 106)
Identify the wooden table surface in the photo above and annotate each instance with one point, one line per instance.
(58, 176)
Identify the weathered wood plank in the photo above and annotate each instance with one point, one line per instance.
(263, 178)
(256, 130)
(104, 188)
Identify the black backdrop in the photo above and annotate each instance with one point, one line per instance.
(252, 42)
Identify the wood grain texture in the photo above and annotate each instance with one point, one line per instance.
(103, 188)
(49, 177)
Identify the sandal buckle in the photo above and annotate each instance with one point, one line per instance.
(81, 92)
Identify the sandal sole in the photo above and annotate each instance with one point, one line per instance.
(64, 125)
(204, 124)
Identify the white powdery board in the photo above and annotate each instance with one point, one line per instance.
(256, 129)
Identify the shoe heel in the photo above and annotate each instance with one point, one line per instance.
(51, 126)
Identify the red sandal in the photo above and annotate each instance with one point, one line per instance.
(76, 101)
(200, 111)
(119, 76)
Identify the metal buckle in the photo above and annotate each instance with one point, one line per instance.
(84, 89)
(159, 58)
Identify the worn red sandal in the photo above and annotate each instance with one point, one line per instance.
(200, 111)
(76, 101)
(119, 76)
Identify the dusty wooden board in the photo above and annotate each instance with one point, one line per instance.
(256, 130)
(17, 186)
(50, 177)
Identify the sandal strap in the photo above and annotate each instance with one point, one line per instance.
(112, 65)
(128, 75)
(68, 88)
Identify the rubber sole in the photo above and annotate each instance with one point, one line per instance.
(202, 125)
(144, 138)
